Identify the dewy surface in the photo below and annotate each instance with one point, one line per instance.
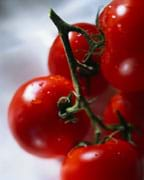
(26, 34)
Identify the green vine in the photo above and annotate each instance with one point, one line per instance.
(81, 102)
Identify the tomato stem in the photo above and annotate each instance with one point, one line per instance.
(64, 29)
(127, 128)
(81, 102)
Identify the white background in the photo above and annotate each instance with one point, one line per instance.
(26, 34)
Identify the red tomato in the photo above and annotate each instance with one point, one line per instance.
(131, 106)
(114, 160)
(34, 120)
(123, 70)
(57, 61)
(122, 63)
(122, 23)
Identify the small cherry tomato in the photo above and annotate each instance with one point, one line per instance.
(114, 160)
(122, 63)
(91, 85)
(123, 70)
(122, 24)
(131, 107)
(34, 120)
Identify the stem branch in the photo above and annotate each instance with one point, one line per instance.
(81, 103)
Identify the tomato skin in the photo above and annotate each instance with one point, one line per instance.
(130, 105)
(122, 63)
(114, 160)
(122, 24)
(123, 70)
(57, 60)
(34, 121)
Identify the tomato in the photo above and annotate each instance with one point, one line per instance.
(122, 62)
(34, 120)
(122, 24)
(124, 71)
(114, 160)
(130, 105)
(57, 60)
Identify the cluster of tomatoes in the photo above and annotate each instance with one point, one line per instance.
(51, 117)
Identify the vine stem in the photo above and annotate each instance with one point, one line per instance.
(81, 103)
(64, 29)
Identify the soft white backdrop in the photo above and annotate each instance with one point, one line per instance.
(26, 34)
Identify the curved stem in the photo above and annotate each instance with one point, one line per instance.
(81, 102)
(64, 29)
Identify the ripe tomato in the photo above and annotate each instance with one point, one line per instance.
(122, 23)
(57, 60)
(130, 105)
(123, 70)
(34, 120)
(114, 160)
(122, 63)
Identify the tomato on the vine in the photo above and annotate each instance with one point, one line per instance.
(114, 160)
(35, 123)
(122, 63)
(91, 85)
(122, 24)
(123, 70)
(131, 107)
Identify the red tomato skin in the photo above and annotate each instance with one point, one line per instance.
(130, 105)
(122, 63)
(124, 71)
(34, 121)
(57, 60)
(114, 160)
(122, 24)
